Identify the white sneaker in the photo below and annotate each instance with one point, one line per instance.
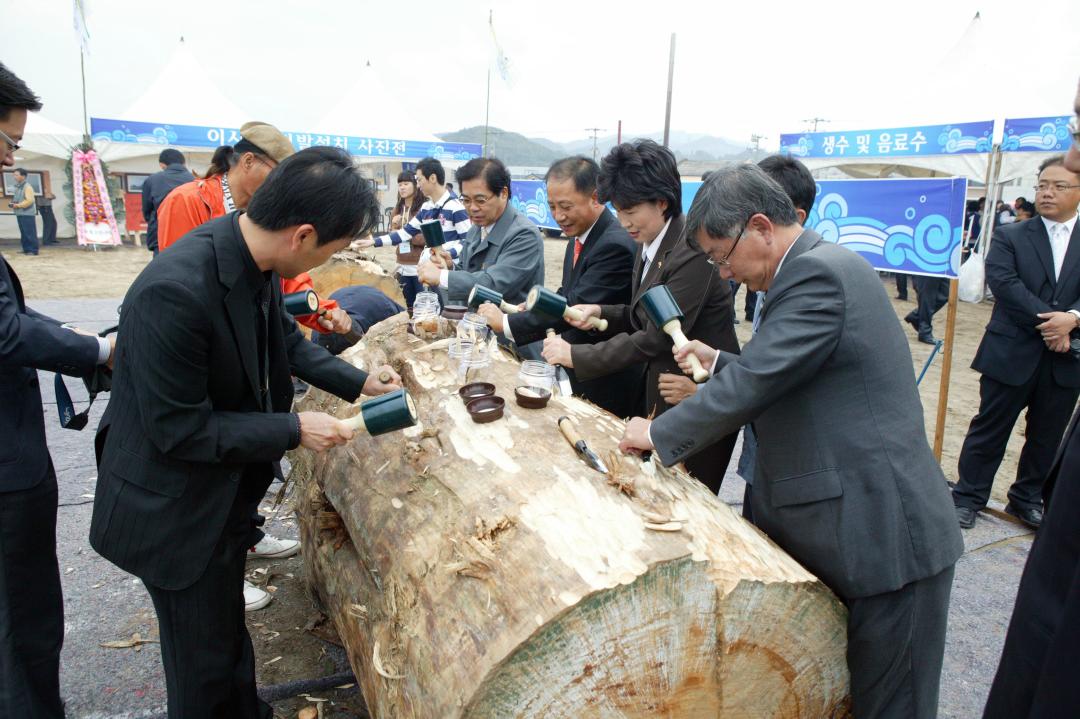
(255, 598)
(273, 547)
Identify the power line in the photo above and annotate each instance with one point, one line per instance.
(814, 121)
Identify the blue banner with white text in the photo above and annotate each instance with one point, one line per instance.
(149, 133)
(908, 226)
(1037, 134)
(956, 139)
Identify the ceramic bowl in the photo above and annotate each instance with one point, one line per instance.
(486, 409)
(474, 390)
(532, 397)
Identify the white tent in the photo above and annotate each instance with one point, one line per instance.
(985, 75)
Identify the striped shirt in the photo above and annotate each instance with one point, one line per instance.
(452, 216)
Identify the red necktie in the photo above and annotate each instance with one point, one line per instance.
(577, 250)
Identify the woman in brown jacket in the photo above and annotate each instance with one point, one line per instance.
(641, 180)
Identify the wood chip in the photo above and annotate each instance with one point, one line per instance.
(135, 642)
(275, 659)
(396, 503)
(665, 527)
(377, 663)
(307, 713)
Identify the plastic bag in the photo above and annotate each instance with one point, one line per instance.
(972, 279)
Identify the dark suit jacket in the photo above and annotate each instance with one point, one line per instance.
(844, 480)
(30, 341)
(510, 260)
(603, 275)
(1020, 272)
(186, 425)
(702, 295)
(155, 190)
(1041, 658)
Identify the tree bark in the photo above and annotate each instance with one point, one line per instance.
(485, 571)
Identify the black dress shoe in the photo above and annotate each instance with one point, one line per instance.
(927, 339)
(1031, 517)
(965, 516)
(902, 298)
(911, 320)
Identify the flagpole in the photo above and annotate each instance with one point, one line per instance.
(86, 116)
(487, 104)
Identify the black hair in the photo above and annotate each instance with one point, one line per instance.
(1025, 206)
(1053, 161)
(169, 156)
(226, 157)
(14, 93)
(491, 169)
(794, 177)
(319, 186)
(430, 166)
(1021, 200)
(22, 171)
(417, 199)
(641, 171)
(450, 186)
(583, 170)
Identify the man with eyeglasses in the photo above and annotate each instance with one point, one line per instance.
(844, 481)
(31, 602)
(1033, 269)
(503, 250)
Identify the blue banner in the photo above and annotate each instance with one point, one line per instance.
(1037, 134)
(955, 139)
(148, 133)
(529, 197)
(910, 226)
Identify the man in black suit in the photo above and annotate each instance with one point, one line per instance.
(1033, 269)
(1041, 658)
(157, 187)
(31, 604)
(199, 415)
(932, 294)
(597, 269)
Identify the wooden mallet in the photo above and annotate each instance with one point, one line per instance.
(479, 294)
(664, 311)
(543, 301)
(306, 302)
(385, 413)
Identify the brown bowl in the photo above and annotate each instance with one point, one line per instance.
(475, 390)
(454, 312)
(486, 409)
(532, 397)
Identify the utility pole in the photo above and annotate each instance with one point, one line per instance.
(814, 121)
(595, 132)
(670, 77)
(756, 140)
(487, 102)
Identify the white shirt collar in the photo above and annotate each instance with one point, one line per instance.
(584, 235)
(1069, 224)
(786, 254)
(649, 249)
(442, 200)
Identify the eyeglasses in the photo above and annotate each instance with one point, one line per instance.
(478, 200)
(725, 260)
(1057, 188)
(11, 143)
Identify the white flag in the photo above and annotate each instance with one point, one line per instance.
(502, 62)
(81, 30)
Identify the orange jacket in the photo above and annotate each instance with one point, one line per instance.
(190, 205)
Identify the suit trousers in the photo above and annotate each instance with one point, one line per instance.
(710, 465)
(901, 285)
(1036, 678)
(933, 293)
(1049, 407)
(31, 604)
(48, 225)
(896, 644)
(28, 233)
(205, 646)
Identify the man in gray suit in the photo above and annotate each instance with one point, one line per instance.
(502, 251)
(845, 481)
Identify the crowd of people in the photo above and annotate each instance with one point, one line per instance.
(838, 468)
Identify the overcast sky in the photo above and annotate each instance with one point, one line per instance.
(760, 66)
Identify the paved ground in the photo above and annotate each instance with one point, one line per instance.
(104, 604)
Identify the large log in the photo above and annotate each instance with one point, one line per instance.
(486, 571)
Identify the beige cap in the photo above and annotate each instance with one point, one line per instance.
(267, 138)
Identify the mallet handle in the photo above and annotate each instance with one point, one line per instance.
(356, 424)
(508, 308)
(674, 328)
(573, 313)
